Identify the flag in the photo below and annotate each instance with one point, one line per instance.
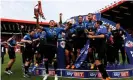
(82, 57)
(38, 10)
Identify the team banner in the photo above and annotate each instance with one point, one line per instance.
(82, 57)
(129, 47)
(60, 54)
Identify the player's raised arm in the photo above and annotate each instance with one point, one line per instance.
(60, 18)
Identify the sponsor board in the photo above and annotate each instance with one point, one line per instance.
(37, 72)
(125, 74)
(121, 74)
(85, 74)
(51, 72)
(94, 74)
(74, 74)
(99, 75)
(43, 72)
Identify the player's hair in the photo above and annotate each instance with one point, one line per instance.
(51, 21)
(118, 23)
(90, 14)
(99, 22)
(80, 16)
(69, 24)
(107, 25)
(29, 31)
(38, 28)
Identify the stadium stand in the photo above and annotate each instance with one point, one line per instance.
(120, 12)
(13, 26)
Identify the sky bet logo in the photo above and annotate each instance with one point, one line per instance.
(116, 74)
(95, 74)
(75, 74)
(121, 74)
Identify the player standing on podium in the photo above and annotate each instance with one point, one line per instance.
(50, 48)
(100, 41)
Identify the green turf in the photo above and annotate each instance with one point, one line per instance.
(18, 74)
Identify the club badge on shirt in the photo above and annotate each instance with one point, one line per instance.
(120, 32)
(62, 44)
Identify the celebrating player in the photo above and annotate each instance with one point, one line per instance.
(28, 51)
(50, 47)
(11, 51)
(100, 41)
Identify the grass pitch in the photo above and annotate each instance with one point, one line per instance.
(18, 74)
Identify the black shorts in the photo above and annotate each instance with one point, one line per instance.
(79, 43)
(28, 53)
(48, 51)
(2, 54)
(35, 51)
(92, 43)
(69, 46)
(11, 53)
(100, 52)
(22, 49)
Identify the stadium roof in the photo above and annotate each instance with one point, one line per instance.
(22, 21)
(120, 12)
(10, 26)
